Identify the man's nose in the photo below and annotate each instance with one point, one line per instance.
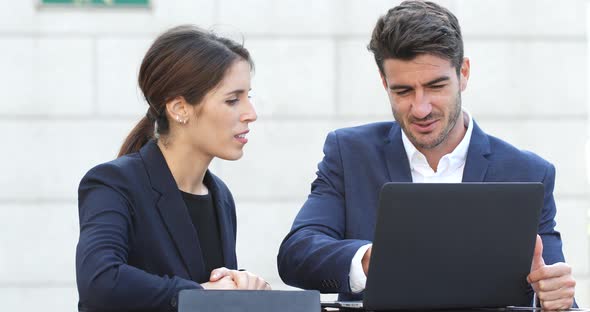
(421, 106)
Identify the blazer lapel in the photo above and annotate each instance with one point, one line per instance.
(476, 164)
(173, 210)
(396, 158)
(224, 221)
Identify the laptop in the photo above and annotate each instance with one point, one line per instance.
(452, 245)
(198, 300)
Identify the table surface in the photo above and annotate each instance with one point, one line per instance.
(511, 309)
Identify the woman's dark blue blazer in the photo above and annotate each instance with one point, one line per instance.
(138, 247)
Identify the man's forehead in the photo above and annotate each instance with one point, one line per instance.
(423, 67)
(419, 63)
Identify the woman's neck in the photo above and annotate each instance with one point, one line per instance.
(188, 166)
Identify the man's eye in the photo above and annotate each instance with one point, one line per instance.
(438, 86)
(232, 101)
(403, 92)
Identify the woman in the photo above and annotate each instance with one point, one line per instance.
(155, 220)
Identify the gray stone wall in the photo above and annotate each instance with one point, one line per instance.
(69, 97)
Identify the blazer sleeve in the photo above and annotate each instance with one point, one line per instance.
(552, 247)
(105, 281)
(315, 254)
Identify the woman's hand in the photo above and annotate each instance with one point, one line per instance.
(225, 282)
(241, 279)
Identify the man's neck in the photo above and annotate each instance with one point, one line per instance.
(451, 142)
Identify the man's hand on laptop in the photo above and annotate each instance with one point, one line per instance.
(553, 284)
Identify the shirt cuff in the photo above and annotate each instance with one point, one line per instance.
(357, 278)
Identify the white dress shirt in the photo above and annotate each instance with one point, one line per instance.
(449, 170)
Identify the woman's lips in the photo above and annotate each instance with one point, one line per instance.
(241, 137)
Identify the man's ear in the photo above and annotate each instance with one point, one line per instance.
(383, 80)
(464, 73)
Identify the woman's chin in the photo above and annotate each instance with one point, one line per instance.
(232, 156)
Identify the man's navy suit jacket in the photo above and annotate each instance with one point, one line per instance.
(138, 247)
(339, 215)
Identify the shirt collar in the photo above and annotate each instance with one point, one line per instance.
(457, 156)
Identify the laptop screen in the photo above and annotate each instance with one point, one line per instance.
(453, 245)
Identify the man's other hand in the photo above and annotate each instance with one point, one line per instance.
(554, 284)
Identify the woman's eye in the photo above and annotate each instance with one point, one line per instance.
(232, 101)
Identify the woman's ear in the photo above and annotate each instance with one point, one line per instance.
(178, 110)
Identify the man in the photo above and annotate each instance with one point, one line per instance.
(418, 48)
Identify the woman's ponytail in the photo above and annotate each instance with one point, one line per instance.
(139, 136)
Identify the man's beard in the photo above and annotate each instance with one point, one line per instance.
(454, 114)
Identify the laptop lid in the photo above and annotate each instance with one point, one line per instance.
(453, 245)
(198, 300)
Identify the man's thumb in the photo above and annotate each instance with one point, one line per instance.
(538, 261)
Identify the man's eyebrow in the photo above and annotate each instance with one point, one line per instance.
(430, 83)
(399, 86)
(437, 80)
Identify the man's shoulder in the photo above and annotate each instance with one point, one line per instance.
(370, 131)
(504, 150)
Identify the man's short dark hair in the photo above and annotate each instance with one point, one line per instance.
(414, 28)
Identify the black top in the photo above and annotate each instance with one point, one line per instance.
(204, 217)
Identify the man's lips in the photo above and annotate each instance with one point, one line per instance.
(424, 126)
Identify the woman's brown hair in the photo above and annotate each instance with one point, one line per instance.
(184, 61)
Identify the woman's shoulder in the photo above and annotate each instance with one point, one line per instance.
(125, 170)
(210, 177)
(219, 187)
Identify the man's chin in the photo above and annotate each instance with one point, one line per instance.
(425, 141)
